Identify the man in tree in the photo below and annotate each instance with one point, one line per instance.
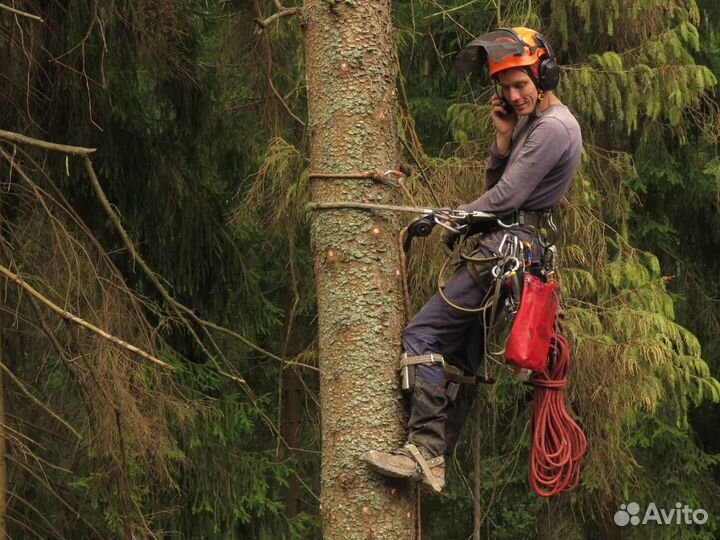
(534, 156)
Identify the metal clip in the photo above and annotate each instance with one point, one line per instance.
(395, 173)
(502, 269)
(455, 227)
(551, 258)
(551, 225)
(501, 248)
(507, 225)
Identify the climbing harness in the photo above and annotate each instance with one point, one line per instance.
(558, 443)
(535, 346)
(454, 376)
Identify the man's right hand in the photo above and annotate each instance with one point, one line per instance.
(504, 124)
(448, 240)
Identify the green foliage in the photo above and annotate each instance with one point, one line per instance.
(175, 96)
(636, 77)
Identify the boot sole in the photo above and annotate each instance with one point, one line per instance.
(374, 459)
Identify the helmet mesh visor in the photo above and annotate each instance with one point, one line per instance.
(500, 44)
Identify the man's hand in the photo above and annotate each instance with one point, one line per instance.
(504, 124)
(448, 240)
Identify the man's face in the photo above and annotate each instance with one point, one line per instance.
(518, 90)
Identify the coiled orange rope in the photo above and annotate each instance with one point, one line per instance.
(558, 443)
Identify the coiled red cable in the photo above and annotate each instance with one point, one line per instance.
(558, 443)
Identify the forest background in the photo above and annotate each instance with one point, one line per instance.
(185, 233)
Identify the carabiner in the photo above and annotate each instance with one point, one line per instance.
(444, 223)
(502, 267)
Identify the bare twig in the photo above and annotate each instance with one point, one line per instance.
(21, 13)
(51, 489)
(181, 310)
(40, 513)
(284, 12)
(134, 253)
(39, 403)
(64, 148)
(81, 322)
(268, 57)
(58, 199)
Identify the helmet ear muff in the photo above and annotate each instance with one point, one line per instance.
(548, 68)
(549, 71)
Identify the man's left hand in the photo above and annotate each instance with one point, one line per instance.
(449, 240)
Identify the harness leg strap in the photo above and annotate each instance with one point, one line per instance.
(426, 467)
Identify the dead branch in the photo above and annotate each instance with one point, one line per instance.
(283, 12)
(51, 489)
(183, 312)
(179, 308)
(268, 52)
(81, 322)
(21, 13)
(35, 400)
(63, 148)
(58, 199)
(37, 511)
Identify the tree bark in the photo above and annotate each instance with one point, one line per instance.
(351, 68)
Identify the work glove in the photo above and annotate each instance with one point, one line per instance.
(449, 240)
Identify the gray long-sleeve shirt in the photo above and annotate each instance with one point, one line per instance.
(544, 155)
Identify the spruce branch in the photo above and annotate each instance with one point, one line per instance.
(39, 403)
(282, 12)
(62, 499)
(81, 322)
(63, 148)
(21, 13)
(37, 511)
(174, 304)
(182, 311)
(268, 53)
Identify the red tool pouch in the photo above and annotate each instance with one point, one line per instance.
(529, 342)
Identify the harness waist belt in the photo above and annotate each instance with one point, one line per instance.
(533, 218)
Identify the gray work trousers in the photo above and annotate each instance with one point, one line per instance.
(455, 334)
(458, 336)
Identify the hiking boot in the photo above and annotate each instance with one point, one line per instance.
(421, 459)
(396, 464)
(411, 463)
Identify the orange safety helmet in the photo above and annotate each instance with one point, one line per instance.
(509, 48)
(531, 54)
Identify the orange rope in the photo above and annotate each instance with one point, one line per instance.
(558, 443)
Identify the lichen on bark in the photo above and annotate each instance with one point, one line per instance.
(351, 67)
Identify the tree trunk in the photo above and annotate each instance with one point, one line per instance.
(351, 66)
